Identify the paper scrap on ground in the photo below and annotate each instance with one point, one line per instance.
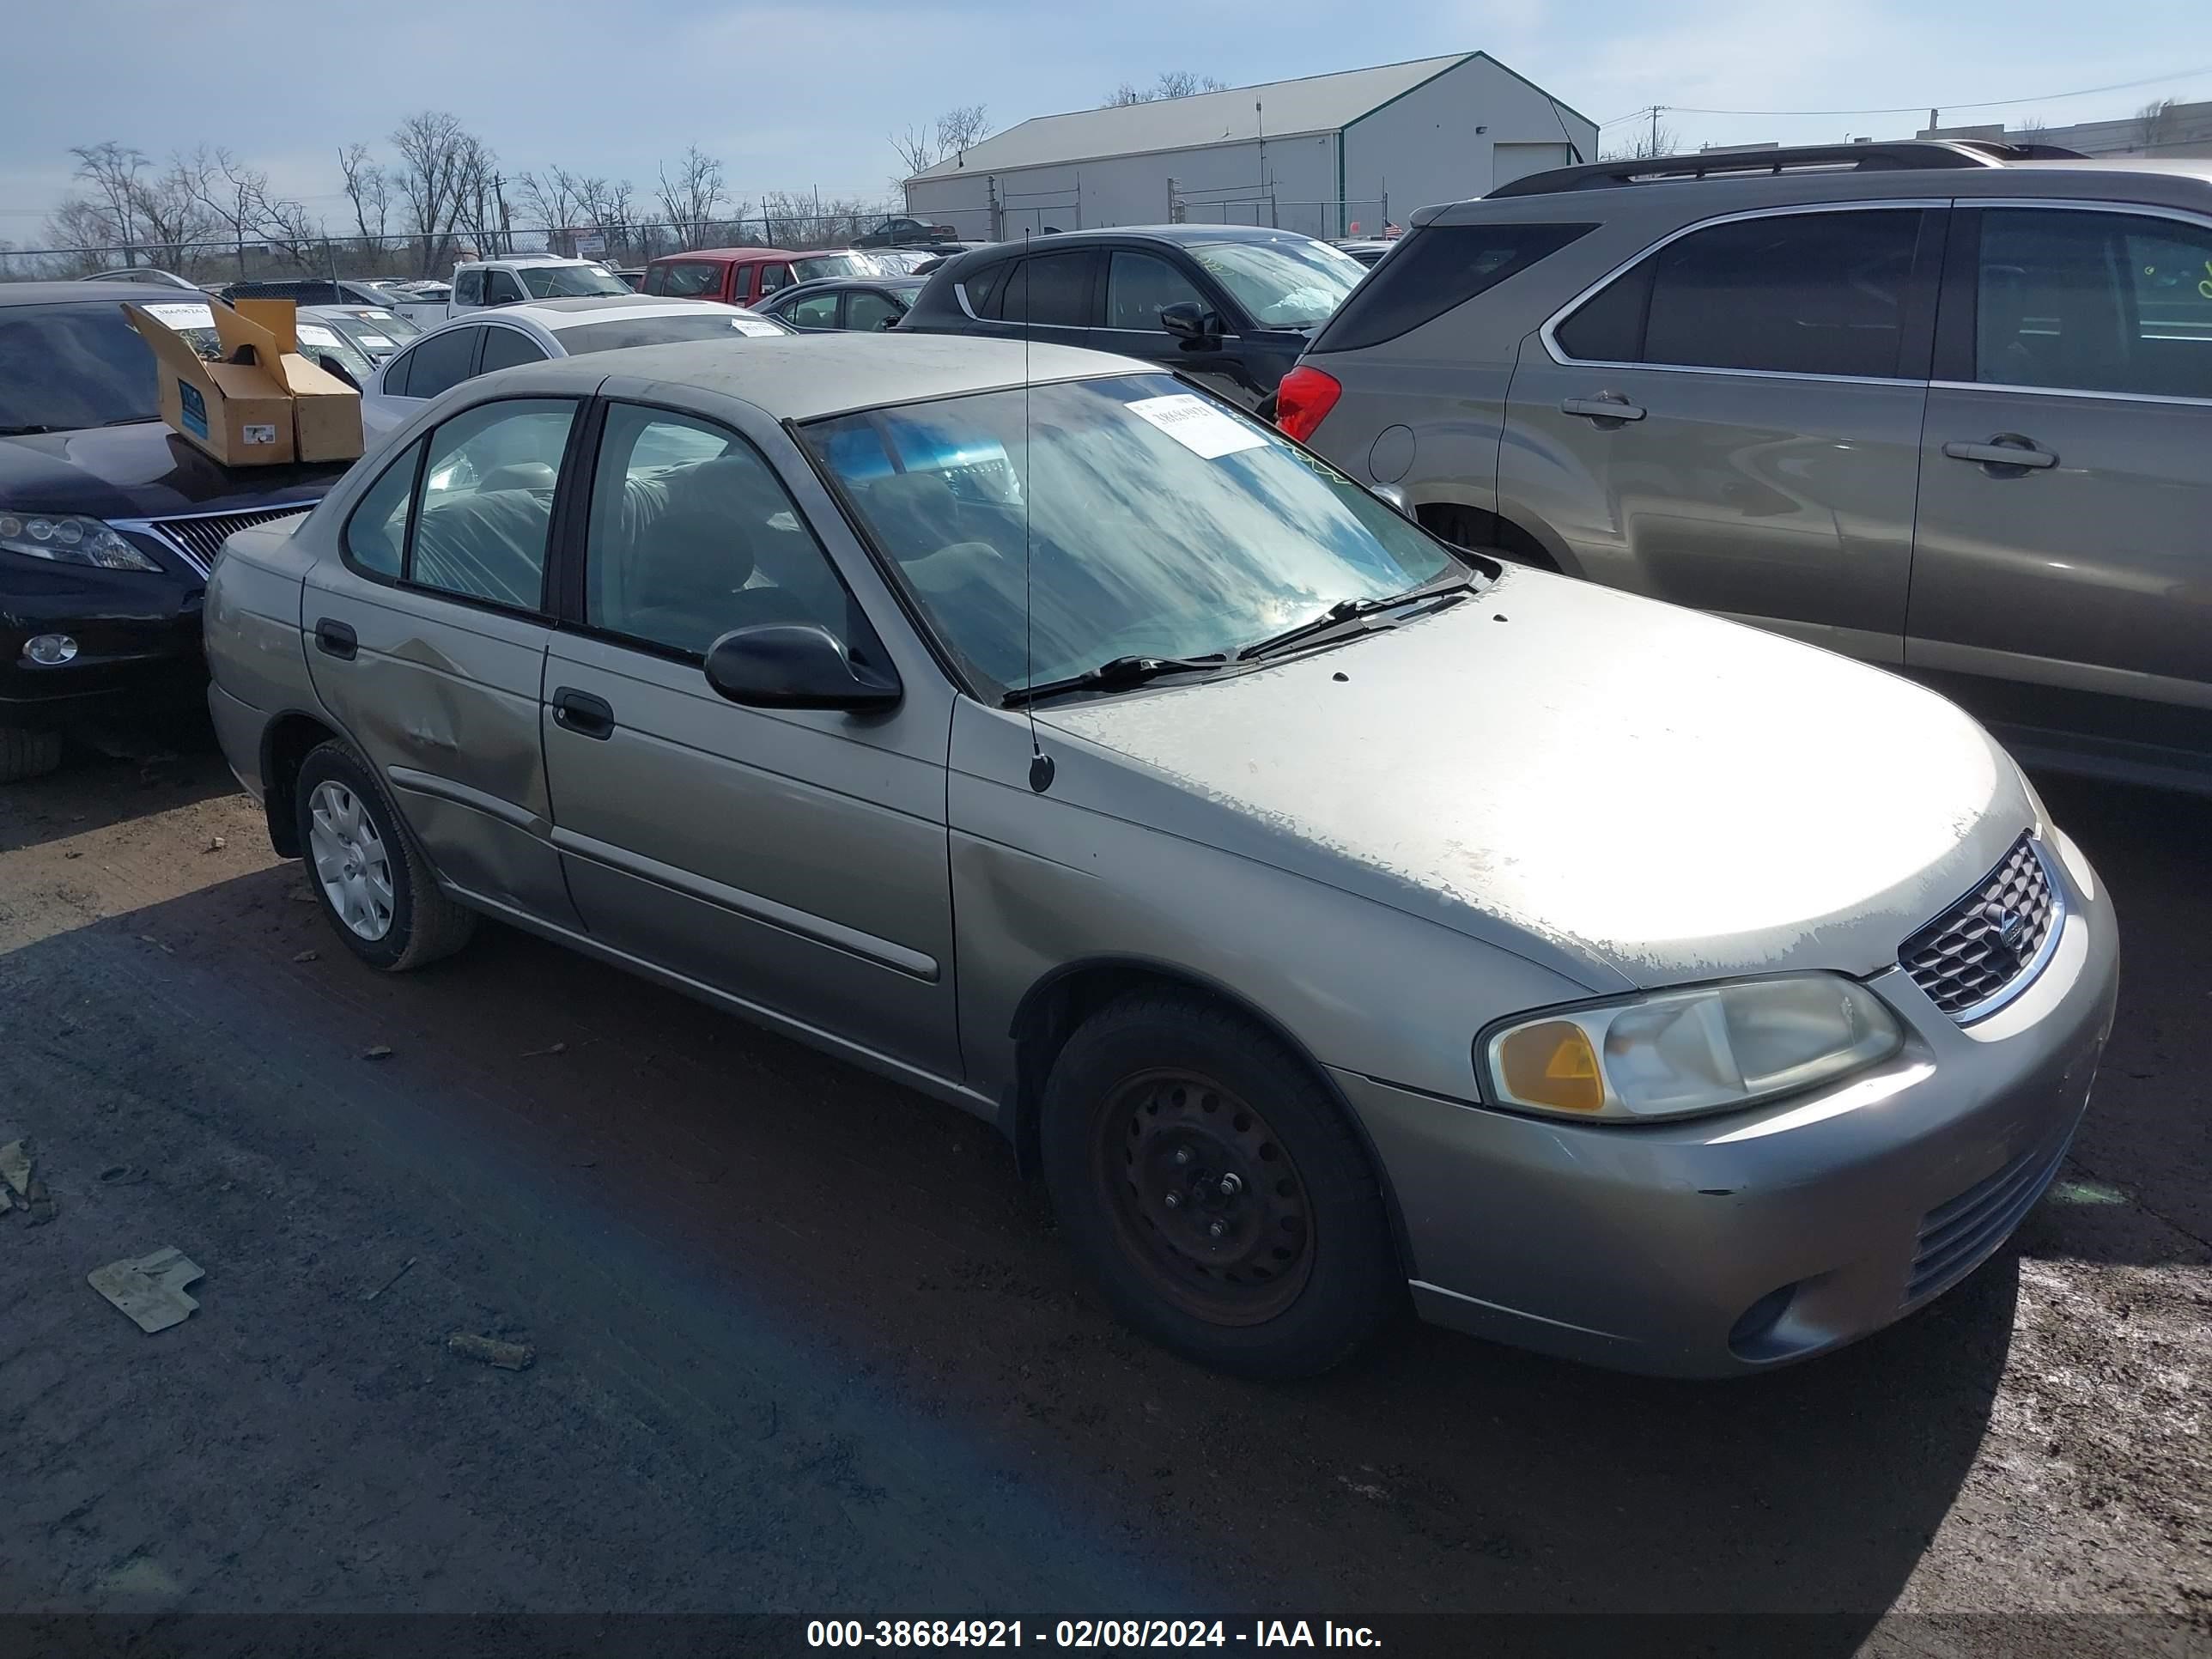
(507, 1356)
(150, 1290)
(15, 1166)
(1197, 425)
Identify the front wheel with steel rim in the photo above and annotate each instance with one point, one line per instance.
(1211, 1183)
(373, 882)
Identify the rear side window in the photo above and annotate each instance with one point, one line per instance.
(1791, 293)
(441, 362)
(469, 289)
(1438, 268)
(508, 348)
(982, 289)
(1050, 290)
(685, 281)
(376, 532)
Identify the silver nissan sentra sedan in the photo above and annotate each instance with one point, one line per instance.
(1333, 916)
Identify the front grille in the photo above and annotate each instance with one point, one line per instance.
(1957, 1237)
(200, 537)
(1987, 944)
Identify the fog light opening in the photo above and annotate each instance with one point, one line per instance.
(50, 650)
(1748, 1337)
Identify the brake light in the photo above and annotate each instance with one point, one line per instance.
(1305, 396)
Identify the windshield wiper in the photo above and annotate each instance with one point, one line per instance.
(1351, 610)
(28, 431)
(1115, 674)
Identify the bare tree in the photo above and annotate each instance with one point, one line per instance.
(106, 209)
(1171, 84)
(440, 177)
(369, 189)
(551, 199)
(235, 193)
(921, 148)
(691, 199)
(1650, 142)
(2155, 122)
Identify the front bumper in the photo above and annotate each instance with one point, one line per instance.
(137, 635)
(1729, 1245)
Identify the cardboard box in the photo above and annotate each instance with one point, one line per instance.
(263, 403)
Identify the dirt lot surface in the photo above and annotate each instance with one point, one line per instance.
(804, 1342)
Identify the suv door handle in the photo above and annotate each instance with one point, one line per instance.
(586, 715)
(2006, 449)
(335, 639)
(1607, 406)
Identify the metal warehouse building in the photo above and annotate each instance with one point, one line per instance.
(1329, 154)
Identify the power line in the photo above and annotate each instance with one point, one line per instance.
(1914, 109)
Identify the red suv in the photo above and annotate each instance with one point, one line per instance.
(740, 275)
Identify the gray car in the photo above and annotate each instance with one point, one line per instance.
(1945, 407)
(1335, 919)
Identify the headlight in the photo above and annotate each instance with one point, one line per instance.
(67, 540)
(1675, 1053)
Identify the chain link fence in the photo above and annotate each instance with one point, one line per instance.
(406, 257)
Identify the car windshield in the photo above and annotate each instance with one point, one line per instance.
(664, 331)
(836, 264)
(379, 334)
(1155, 523)
(321, 338)
(569, 282)
(1286, 283)
(67, 367)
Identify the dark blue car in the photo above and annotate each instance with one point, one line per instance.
(108, 520)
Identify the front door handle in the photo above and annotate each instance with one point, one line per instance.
(1607, 406)
(335, 639)
(2007, 449)
(586, 715)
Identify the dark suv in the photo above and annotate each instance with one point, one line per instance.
(1228, 305)
(1945, 407)
(109, 521)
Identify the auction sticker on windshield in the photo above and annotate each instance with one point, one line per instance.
(182, 316)
(1197, 425)
(753, 325)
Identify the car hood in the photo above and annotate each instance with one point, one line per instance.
(143, 470)
(1628, 793)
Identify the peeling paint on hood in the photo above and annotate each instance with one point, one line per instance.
(1670, 795)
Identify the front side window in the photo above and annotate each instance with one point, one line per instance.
(1286, 283)
(501, 289)
(570, 282)
(1787, 293)
(2093, 302)
(692, 535)
(1140, 286)
(773, 277)
(1041, 534)
(487, 501)
(869, 309)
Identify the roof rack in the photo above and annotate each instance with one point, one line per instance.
(1904, 154)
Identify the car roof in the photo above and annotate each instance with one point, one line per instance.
(829, 284)
(802, 377)
(526, 259)
(554, 315)
(52, 294)
(1183, 235)
(746, 256)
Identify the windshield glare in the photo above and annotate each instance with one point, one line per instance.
(836, 264)
(1282, 284)
(71, 366)
(664, 331)
(1158, 524)
(569, 282)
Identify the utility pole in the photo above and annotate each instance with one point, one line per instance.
(506, 224)
(1655, 129)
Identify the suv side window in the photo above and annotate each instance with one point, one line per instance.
(1140, 286)
(1786, 294)
(1050, 290)
(1440, 267)
(501, 289)
(2088, 301)
(691, 534)
(982, 288)
(486, 503)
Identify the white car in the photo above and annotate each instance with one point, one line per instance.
(484, 283)
(465, 347)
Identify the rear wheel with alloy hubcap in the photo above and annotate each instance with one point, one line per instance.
(372, 881)
(1211, 1183)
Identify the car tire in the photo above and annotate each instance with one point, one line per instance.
(1155, 1106)
(375, 887)
(26, 754)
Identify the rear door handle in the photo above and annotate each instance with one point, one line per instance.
(586, 715)
(2006, 449)
(1603, 408)
(335, 639)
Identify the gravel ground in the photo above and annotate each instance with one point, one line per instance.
(804, 1342)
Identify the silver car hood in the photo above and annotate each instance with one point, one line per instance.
(1622, 790)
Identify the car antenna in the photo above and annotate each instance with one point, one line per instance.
(1041, 766)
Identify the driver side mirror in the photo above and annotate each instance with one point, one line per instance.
(1193, 325)
(796, 665)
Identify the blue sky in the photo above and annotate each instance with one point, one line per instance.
(792, 96)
